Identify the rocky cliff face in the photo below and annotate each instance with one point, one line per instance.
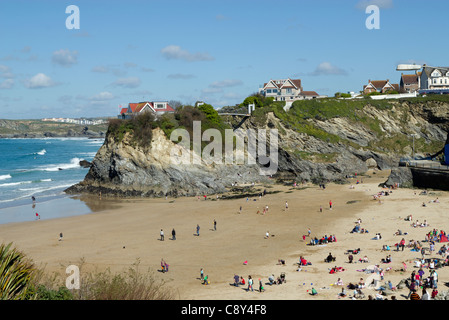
(121, 168)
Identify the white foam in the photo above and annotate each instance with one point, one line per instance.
(74, 163)
(42, 152)
(14, 183)
(5, 176)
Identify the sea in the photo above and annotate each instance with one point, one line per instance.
(43, 169)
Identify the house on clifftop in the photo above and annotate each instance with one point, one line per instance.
(288, 90)
(381, 86)
(156, 107)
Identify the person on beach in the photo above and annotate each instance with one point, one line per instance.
(215, 225)
(250, 284)
(162, 235)
(261, 288)
(236, 280)
(286, 206)
(197, 229)
(60, 236)
(202, 274)
(173, 234)
(267, 235)
(330, 205)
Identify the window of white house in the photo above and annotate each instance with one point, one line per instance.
(268, 90)
(159, 106)
(275, 90)
(289, 90)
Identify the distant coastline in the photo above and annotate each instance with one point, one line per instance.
(36, 128)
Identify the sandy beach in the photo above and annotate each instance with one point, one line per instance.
(129, 230)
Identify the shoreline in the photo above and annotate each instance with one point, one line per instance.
(117, 237)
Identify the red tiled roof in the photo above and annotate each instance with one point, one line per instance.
(133, 106)
(124, 110)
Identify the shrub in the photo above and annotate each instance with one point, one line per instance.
(16, 274)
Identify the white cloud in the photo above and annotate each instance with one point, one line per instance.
(181, 76)
(100, 69)
(326, 68)
(226, 83)
(39, 81)
(382, 4)
(131, 82)
(7, 84)
(5, 72)
(102, 96)
(65, 57)
(173, 52)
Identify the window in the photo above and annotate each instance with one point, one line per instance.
(268, 90)
(275, 90)
(160, 106)
(289, 90)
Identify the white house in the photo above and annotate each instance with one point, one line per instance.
(434, 78)
(288, 90)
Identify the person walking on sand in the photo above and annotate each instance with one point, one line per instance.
(202, 274)
(330, 204)
(286, 206)
(250, 284)
(197, 229)
(162, 235)
(60, 236)
(261, 288)
(173, 234)
(215, 225)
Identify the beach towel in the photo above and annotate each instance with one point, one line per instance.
(443, 238)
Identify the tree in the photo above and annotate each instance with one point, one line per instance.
(210, 112)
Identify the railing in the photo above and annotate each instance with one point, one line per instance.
(425, 165)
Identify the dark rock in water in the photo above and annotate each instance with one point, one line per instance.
(85, 164)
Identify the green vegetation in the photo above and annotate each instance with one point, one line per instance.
(141, 125)
(20, 279)
(303, 114)
(16, 274)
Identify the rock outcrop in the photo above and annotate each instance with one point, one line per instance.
(123, 169)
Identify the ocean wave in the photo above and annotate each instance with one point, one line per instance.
(28, 192)
(74, 164)
(5, 176)
(42, 152)
(14, 183)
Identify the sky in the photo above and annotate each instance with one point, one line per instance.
(216, 51)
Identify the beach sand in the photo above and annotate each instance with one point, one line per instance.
(129, 231)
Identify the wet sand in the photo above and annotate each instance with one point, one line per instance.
(117, 237)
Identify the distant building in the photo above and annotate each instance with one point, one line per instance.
(409, 83)
(381, 86)
(156, 107)
(434, 78)
(288, 90)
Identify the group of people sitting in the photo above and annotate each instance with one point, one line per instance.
(323, 240)
(279, 280)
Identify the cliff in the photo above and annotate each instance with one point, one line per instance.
(322, 140)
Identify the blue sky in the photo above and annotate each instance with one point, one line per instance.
(218, 51)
